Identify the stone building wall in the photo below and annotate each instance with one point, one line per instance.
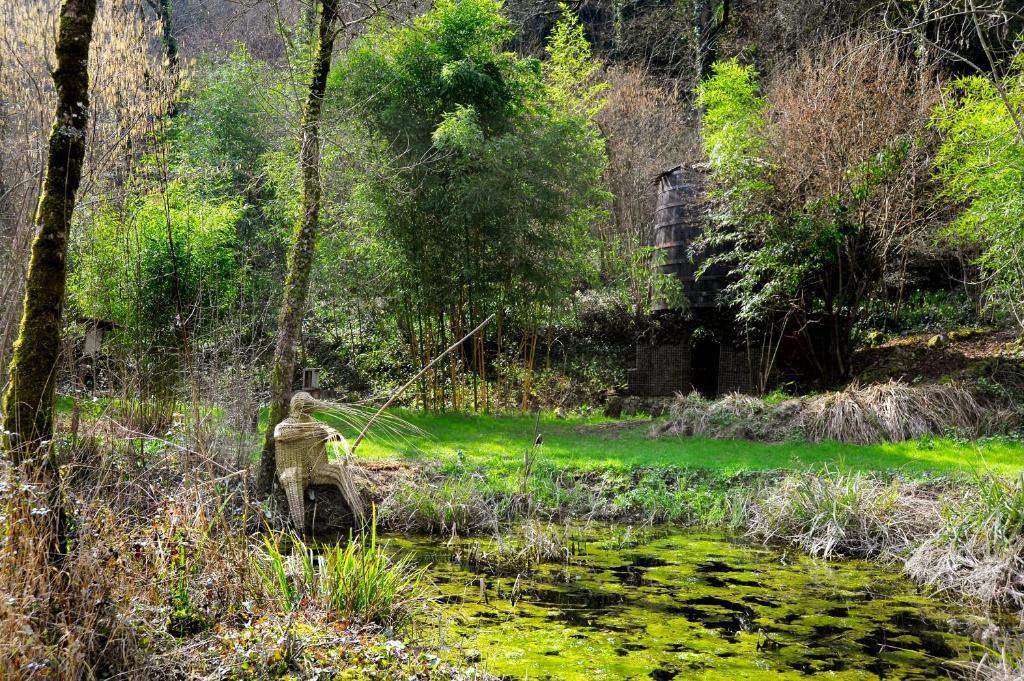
(733, 372)
(664, 370)
(661, 370)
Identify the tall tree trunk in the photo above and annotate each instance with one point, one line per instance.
(303, 250)
(29, 399)
(28, 402)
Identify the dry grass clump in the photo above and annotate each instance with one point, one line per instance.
(832, 513)
(979, 551)
(886, 412)
(146, 562)
(54, 621)
(890, 412)
(1004, 664)
(733, 416)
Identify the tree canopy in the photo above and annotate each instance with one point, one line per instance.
(488, 164)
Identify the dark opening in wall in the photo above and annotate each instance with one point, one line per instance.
(704, 367)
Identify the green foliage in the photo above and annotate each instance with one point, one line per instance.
(224, 124)
(184, 618)
(141, 264)
(571, 71)
(778, 254)
(921, 311)
(680, 496)
(817, 258)
(732, 125)
(233, 131)
(458, 504)
(488, 166)
(199, 232)
(981, 164)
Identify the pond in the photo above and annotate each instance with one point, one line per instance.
(680, 604)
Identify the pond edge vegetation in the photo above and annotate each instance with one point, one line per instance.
(957, 535)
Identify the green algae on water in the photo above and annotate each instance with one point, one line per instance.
(688, 604)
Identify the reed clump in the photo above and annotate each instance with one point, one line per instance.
(1002, 663)
(835, 513)
(979, 550)
(463, 504)
(964, 538)
(531, 544)
(356, 580)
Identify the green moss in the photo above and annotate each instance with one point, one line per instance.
(685, 603)
(185, 620)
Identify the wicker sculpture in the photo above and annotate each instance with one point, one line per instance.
(301, 446)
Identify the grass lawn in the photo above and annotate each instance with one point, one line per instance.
(498, 442)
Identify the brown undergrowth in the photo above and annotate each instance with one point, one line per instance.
(167, 576)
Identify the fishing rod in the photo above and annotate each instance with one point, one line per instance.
(412, 380)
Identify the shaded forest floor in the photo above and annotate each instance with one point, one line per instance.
(980, 356)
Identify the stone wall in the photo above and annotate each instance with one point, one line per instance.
(734, 372)
(664, 370)
(661, 370)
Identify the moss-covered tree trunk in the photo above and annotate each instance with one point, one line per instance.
(29, 400)
(303, 249)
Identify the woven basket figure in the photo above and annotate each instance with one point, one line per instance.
(301, 452)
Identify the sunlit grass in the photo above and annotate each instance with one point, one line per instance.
(498, 442)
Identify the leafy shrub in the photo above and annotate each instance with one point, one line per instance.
(224, 125)
(817, 188)
(158, 259)
(981, 164)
